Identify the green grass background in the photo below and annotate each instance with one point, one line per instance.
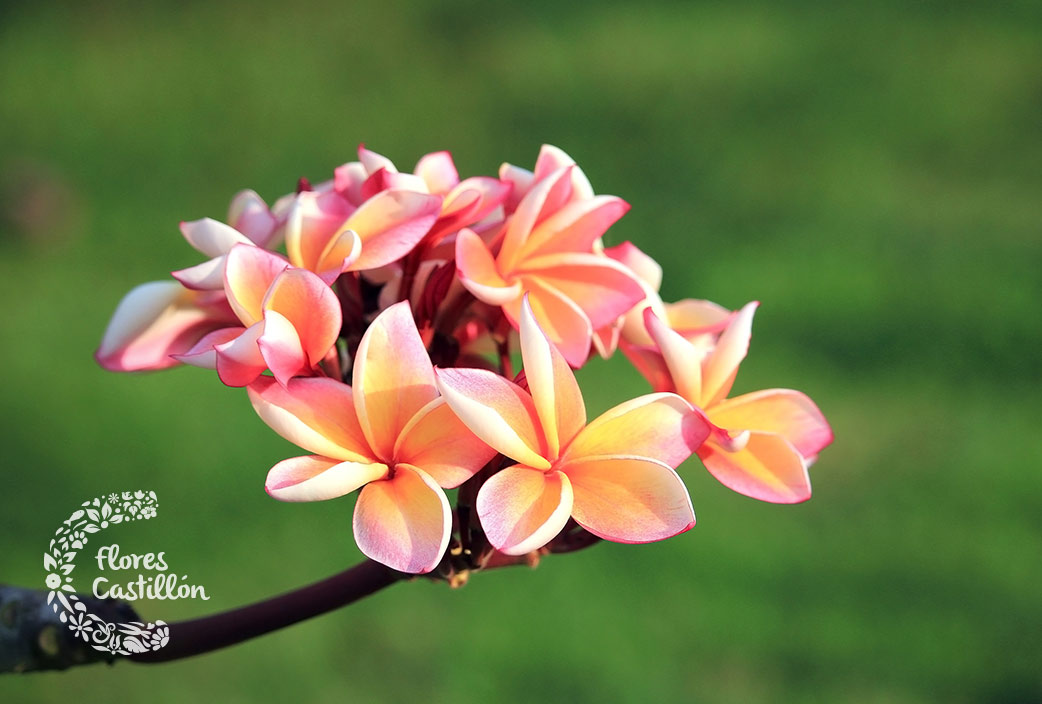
(872, 173)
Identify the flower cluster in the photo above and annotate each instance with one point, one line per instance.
(388, 327)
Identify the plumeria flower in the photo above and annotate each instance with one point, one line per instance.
(391, 435)
(464, 203)
(547, 252)
(215, 240)
(157, 320)
(328, 235)
(370, 215)
(615, 476)
(289, 319)
(251, 222)
(762, 442)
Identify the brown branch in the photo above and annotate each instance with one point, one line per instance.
(203, 635)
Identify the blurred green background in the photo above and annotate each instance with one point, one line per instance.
(871, 173)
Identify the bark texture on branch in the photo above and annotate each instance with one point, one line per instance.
(32, 637)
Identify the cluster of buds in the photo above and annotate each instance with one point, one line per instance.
(388, 328)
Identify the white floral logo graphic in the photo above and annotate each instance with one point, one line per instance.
(94, 516)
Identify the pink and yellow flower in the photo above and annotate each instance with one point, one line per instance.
(391, 435)
(762, 442)
(547, 252)
(458, 267)
(370, 215)
(615, 476)
(289, 320)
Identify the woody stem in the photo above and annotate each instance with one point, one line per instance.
(203, 635)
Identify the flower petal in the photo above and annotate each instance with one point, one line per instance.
(478, 273)
(600, 286)
(575, 227)
(522, 509)
(662, 427)
(403, 522)
(249, 214)
(564, 323)
(154, 321)
(438, 171)
(239, 360)
(315, 478)
(606, 339)
(498, 411)
(340, 253)
(492, 193)
(203, 353)
(248, 273)
(280, 346)
(633, 258)
(629, 499)
(312, 308)
(784, 412)
(348, 181)
(555, 392)
(208, 276)
(373, 162)
(768, 468)
(211, 237)
(545, 198)
(682, 359)
(393, 377)
(649, 276)
(722, 363)
(314, 413)
(520, 180)
(552, 158)
(390, 224)
(313, 220)
(436, 441)
(692, 316)
(649, 363)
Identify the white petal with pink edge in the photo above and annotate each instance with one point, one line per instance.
(152, 322)
(211, 237)
(314, 413)
(496, 410)
(315, 478)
